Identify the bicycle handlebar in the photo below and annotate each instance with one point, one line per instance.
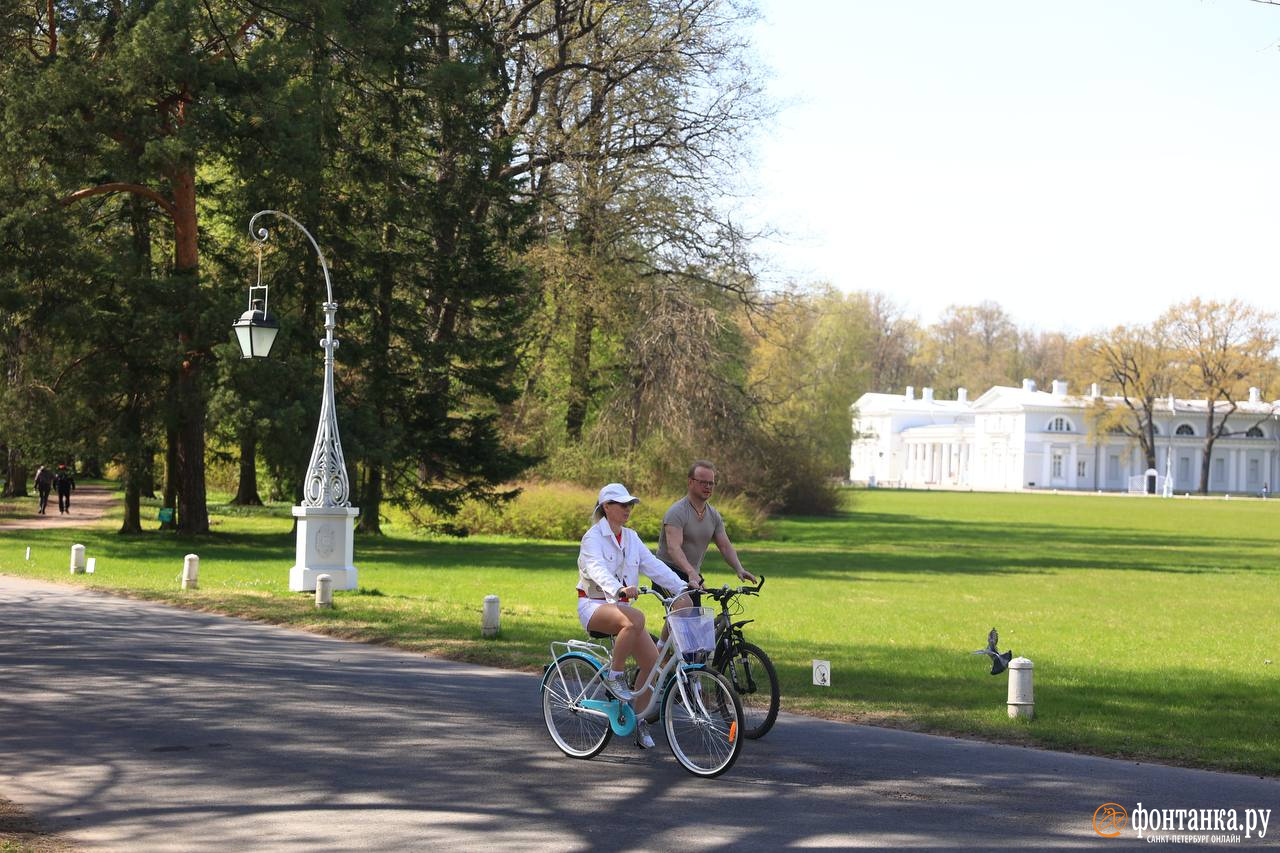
(724, 593)
(727, 592)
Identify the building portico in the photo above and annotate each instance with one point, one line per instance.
(1014, 438)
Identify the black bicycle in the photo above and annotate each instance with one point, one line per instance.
(745, 664)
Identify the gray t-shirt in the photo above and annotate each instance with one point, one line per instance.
(697, 534)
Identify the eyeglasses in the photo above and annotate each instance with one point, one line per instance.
(710, 484)
(617, 503)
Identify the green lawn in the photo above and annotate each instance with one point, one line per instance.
(1151, 622)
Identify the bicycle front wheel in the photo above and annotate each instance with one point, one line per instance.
(578, 732)
(753, 676)
(703, 722)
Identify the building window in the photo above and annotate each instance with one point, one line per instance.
(1185, 429)
(1057, 465)
(1081, 468)
(1059, 425)
(1254, 432)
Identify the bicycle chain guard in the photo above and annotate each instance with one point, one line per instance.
(621, 718)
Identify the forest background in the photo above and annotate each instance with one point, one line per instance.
(532, 209)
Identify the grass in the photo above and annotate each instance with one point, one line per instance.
(1151, 622)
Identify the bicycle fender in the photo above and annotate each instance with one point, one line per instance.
(670, 682)
(551, 667)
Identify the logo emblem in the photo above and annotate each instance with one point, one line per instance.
(1109, 819)
(326, 541)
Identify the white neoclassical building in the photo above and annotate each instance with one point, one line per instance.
(1023, 438)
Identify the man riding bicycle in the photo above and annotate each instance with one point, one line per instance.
(691, 524)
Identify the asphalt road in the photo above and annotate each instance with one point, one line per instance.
(135, 726)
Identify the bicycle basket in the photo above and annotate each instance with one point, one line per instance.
(694, 629)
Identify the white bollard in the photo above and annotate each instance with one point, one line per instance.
(28, 552)
(90, 565)
(324, 591)
(191, 572)
(1022, 700)
(77, 559)
(491, 620)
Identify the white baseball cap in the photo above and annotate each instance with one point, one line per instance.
(617, 493)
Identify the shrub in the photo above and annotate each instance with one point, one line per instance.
(559, 511)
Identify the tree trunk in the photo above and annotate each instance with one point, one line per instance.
(371, 501)
(370, 521)
(247, 488)
(1207, 461)
(15, 485)
(132, 503)
(91, 468)
(580, 371)
(135, 460)
(147, 481)
(193, 512)
(171, 476)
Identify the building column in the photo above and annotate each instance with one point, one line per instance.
(1073, 479)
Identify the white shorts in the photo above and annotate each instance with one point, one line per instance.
(588, 606)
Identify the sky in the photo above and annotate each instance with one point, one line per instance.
(1083, 164)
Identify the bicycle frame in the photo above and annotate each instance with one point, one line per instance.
(729, 634)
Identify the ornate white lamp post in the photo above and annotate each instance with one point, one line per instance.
(326, 519)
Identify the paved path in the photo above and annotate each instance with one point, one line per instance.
(89, 504)
(134, 726)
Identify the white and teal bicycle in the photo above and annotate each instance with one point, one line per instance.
(700, 712)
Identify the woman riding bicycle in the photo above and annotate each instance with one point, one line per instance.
(609, 566)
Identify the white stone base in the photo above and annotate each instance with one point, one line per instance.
(326, 543)
(304, 580)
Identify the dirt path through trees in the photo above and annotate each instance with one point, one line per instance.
(89, 505)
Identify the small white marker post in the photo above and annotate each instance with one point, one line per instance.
(822, 673)
(324, 591)
(89, 566)
(490, 617)
(1022, 698)
(191, 572)
(77, 559)
(28, 552)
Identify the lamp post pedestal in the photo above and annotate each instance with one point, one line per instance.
(326, 536)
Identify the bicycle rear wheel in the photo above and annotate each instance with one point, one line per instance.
(753, 676)
(704, 723)
(577, 732)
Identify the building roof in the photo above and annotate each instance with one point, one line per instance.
(1011, 398)
(872, 401)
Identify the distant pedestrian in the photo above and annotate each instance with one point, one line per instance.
(1266, 490)
(63, 482)
(44, 482)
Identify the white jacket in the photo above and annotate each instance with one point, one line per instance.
(605, 567)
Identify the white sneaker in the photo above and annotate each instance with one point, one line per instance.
(615, 685)
(643, 739)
